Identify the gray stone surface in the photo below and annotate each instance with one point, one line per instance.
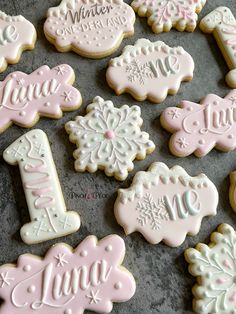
(163, 283)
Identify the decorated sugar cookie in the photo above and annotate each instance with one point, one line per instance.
(198, 128)
(164, 14)
(16, 34)
(232, 190)
(91, 28)
(45, 92)
(150, 70)
(165, 204)
(215, 268)
(109, 138)
(222, 23)
(49, 218)
(68, 281)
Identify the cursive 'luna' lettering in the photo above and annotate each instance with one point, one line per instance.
(182, 207)
(23, 95)
(8, 35)
(165, 67)
(83, 13)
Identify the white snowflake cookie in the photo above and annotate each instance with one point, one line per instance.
(165, 14)
(214, 265)
(165, 204)
(109, 138)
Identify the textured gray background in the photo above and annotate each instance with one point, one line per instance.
(163, 283)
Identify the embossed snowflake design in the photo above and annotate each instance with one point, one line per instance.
(138, 71)
(109, 138)
(151, 212)
(162, 14)
(215, 265)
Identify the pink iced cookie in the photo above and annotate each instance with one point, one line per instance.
(165, 14)
(16, 34)
(45, 92)
(199, 128)
(91, 28)
(150, 70)
(165, 204)
(68, 281)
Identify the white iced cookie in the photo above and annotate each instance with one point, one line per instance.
(165, 204)
(150, 70)
(16, 35)
(109, 138)
(49, 218)
(214, 267)
(222, 23)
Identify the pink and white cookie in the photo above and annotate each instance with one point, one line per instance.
(164, 14)
(213, 265)
(165, 204)
(150, 70)
(222, 24)
(16, 35)
(68, 281)
(45, 92)
(47, 209)
(109, 138)
(91, 28)
(198, 128)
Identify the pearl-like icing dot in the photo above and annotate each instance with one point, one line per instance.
(22, 113)
(201, 142)
(47, 104)
(68, 311)
(230, 136)
(108, 248)
(190, 108)
(31, 289)
(27, 268)
(196, 123)
(118, 285)
(40, 73)
(83, 253)
(109, 135)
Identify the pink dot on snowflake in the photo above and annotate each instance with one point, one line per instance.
(227, 264)
(109, 135)
(221, 280)
(233, 297)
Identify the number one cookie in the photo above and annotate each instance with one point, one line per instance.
(49, 218)
(222, 24)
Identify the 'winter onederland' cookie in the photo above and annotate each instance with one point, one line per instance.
(165, 204)
(199, 128)
(68, 281)
(49, 218)
(150, 70)
(45, 92)
(214, 265)
(165, 14)
(91, 28)
(222, 24)
(16, 34)
(109, 138)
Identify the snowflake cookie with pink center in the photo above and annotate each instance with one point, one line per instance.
(91, 28)
(214, 265)
(109, 138)
(165, 204)
(165, 14)
(68, 281)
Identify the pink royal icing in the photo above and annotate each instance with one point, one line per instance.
(92, 28)
(67, 281)
(16, 34)
(198, 128)
(44, 92)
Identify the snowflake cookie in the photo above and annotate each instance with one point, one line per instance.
(45, 92)
(109, 138)
(150, 70)
(165, 14)
(214, 265)
(165, 204)
(68, 281)
(198, 128)
(16, 34)
(91, 28)
(222, 24)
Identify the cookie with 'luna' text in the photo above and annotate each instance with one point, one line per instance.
(91, 28)
(165, 204)
(16, 35)
(150, 70)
